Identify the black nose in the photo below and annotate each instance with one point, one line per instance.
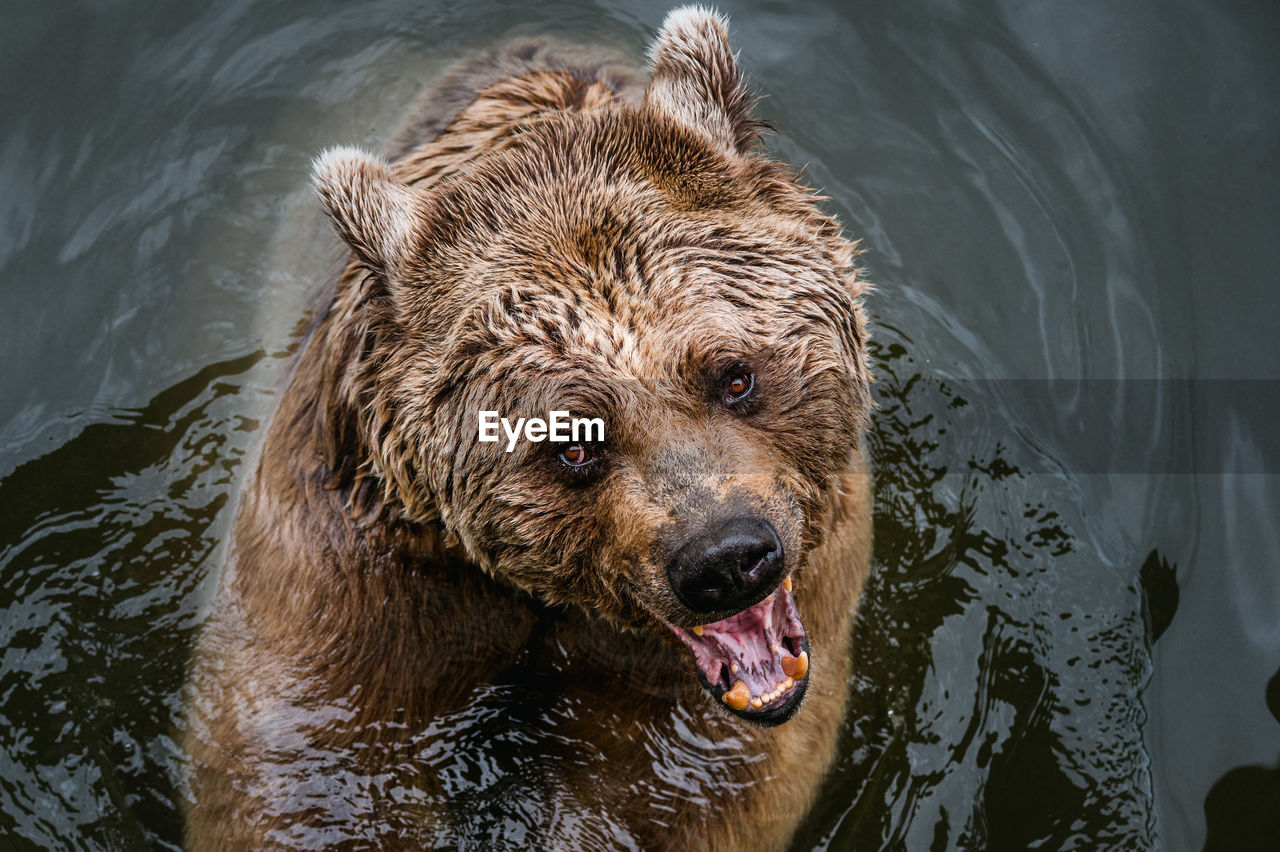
(730, 568)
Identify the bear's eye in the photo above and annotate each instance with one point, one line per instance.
(738, 387)
(577, 455)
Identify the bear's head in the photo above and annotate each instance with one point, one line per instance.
(648, 267)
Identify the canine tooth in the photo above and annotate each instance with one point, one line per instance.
(733, 668)
(795, 667)
(757, 703)
(786, 582)
(697, 630)
(739, 697)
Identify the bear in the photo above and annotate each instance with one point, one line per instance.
(635, 638)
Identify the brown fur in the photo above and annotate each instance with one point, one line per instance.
(557, 245)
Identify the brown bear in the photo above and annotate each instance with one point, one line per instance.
(638, 639)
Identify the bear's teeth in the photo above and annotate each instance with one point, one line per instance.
(786, 583)
(739, 697)
(795, 667)
(697, 631)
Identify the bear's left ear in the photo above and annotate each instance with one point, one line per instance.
(695, 79)
(381, 219)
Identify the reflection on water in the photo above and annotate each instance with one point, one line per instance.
(995, 709)
(1241, 808)
(108, 544)
(1069, 635)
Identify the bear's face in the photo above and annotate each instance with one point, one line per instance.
(646, 268)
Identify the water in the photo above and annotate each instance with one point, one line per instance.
(1072, 637)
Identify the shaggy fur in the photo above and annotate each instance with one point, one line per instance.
(560, 244)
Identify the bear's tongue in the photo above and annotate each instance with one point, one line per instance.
(755, 660)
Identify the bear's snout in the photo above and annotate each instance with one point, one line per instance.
(728, 569)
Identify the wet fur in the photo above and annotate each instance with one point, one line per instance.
(568, 240)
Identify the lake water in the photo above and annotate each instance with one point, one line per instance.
(1072, 636)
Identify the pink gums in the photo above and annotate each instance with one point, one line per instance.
(748, 639)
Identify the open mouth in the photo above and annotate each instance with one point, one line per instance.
(755, 662)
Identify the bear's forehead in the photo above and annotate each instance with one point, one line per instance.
(602, 241)
(674, 318)
(611, 181)
(635, 324)
(592, 288)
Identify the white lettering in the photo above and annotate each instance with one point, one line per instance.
(512, 434)
(587, 424)
(559, 428)
(559, 423)
(488, 427)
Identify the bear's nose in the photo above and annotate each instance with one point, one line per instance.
(730, 569)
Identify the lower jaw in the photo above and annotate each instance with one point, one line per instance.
(770, 714)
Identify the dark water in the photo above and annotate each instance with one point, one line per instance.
(1072, 637)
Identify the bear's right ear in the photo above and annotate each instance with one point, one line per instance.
(695, 81)
(379, 218)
